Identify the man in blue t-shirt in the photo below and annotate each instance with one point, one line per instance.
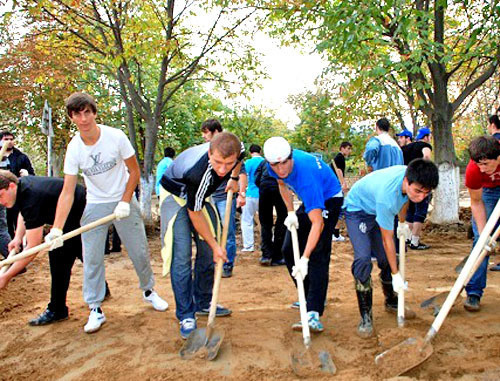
(164, 163)
(314, 182)
(252, 196)
(370, 208)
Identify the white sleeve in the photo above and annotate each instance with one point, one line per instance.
(126, 149)
(71, 166)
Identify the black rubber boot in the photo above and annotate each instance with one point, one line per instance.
(391, 298)
(364, 293)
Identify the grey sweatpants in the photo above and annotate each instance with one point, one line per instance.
(133, 235)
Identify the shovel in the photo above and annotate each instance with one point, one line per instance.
(4, 269)
(205, 342)
(47, 245)
(437, 301)
(401, 293)
(302, 361)
(414, 351)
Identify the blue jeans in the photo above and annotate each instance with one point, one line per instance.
(231, 233)
(478, 281)
(366, 238)
(191, 295)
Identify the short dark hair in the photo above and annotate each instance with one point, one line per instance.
(78, 102)
(5, 133)
(255, 148)
(7, 177)
(169, 152)
(494, 119)
(383, 124)
(226, 143)
(423, 172)
(345, 145)
(484, 148)
(211, 125)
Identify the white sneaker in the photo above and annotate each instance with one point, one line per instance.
(340, 238)
(154, 299)
(96, 319)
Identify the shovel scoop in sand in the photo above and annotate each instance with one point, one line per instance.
(306, 361)
(414, 351)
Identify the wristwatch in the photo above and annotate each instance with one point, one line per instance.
(235, 178)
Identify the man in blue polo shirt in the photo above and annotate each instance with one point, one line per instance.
(370, 208)
(314, 182)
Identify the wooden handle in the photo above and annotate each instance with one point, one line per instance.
(4, 269)
(464, 274)
(218, 266)
(401, 293)
(47, 245)
(300, 289)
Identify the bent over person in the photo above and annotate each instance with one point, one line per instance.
(36, 199)
(370, 209)
(185, 211)
(111, 173)
(314, 182)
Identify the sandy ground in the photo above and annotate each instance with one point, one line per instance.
(142, 344)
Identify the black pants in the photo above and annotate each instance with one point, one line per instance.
(269, 199)
(316, 282)
(61, 262)
(116, 242)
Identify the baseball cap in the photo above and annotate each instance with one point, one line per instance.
(405, 132)
(423, 132)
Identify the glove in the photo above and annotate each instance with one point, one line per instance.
(23, 172)
(300, 269)
(291, 220)
(54, 237)
(403, 230)
(398, 284)
(122, 210)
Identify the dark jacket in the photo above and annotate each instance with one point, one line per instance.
(264, 180)
(18, 161)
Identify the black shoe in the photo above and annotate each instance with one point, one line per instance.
(227, 271)
(495, 268)
(47, 317)
(265, 261)
(472, 303)
(107, 295)
(280, 262)
(116, 249)
(420, 246)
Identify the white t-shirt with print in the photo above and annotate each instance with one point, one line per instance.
(102, 164)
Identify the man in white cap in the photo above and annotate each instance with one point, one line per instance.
(314, 182)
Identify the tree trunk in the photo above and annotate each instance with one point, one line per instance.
(147, 177)
(146, 188)
(447, 193)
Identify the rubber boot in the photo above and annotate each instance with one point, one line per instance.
(364, 293)
(391, 300)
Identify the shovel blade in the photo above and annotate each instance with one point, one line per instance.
(201, 346)
(306, 362)
(403, 357)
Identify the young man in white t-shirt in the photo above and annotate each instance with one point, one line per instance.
(111, 173)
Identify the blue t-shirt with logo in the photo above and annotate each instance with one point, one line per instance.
(251, 166)
(379, 194)
(312, 180)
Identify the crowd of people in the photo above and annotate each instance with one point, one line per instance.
(390, 202)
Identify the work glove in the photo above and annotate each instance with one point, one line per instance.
(300, 269)
(398, 284)
(54, 238)
(403, 230)
(23, 172)
(291, 220)
(122, 210)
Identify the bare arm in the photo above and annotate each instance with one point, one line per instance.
(317, 225)
(20, 232)
(243, 183)
(286, 195)
(201, 225)
(65, 201)
(390, 249)
(402, 212)
(426, 152)
(477, 208)
(133, 180)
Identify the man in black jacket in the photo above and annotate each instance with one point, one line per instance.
(20, 165)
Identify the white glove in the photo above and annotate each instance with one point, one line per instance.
(403, 230)
(122, 210)
(300, 269)
(23, 172)
(291, 220)
(398, 284)
(54, 237)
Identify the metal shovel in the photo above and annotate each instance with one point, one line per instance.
(303, 362)
(205, 342)
(414, 351)
(437, 301)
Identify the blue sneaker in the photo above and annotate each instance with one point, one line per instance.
(188, 325)
(315, 324)
(219, 312)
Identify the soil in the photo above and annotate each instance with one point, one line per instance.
(140, 343)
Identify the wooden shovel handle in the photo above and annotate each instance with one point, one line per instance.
(401, 293)
(4, 269)
(46, 245)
